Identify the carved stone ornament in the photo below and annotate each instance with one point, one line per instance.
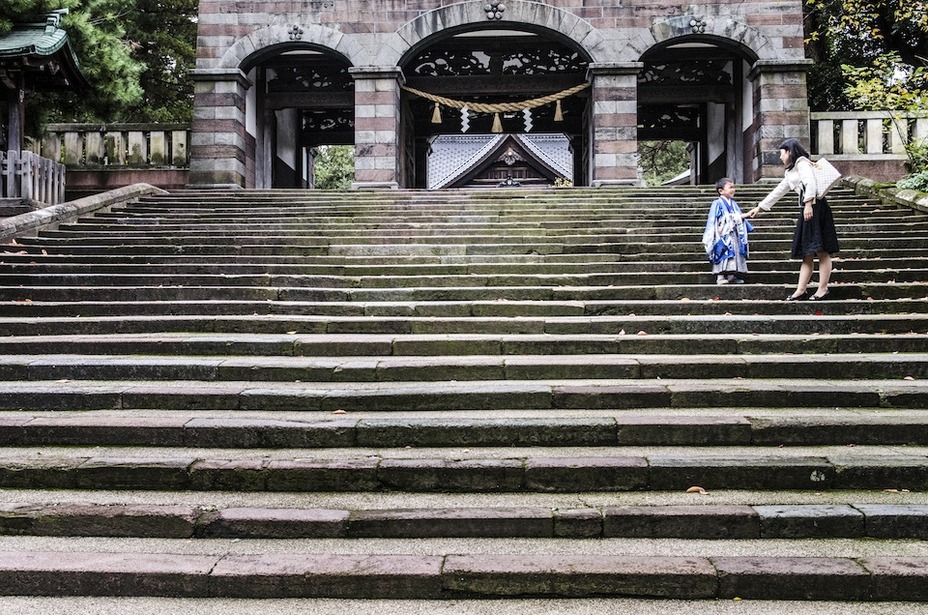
(698, 25)
(295, 32)
(494, 10)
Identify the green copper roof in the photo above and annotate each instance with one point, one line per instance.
(42, 52)
(38, 39)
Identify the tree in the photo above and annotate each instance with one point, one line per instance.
(135, 53)
(846, 36)
(334, 167)
(660, 161)
(163, 38)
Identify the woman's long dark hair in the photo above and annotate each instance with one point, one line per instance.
(795, 150)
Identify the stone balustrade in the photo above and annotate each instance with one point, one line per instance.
(866, 143)
(866, 134)
(133, 145)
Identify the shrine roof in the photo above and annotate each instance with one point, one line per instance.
(454, 155)
(30, 46)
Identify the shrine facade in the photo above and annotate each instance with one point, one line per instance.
(275, 80)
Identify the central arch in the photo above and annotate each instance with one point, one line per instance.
(497, 67)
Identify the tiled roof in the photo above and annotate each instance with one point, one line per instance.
(453, 155)
(553, 149)
(33, 47)
(38, 39)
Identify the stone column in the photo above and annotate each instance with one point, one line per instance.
(378, 159)
(781, 110)
(614, 124)
(218, 144)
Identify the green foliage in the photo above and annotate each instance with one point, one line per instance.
(660, 161)
(848, 36)
(888, 83)
(334, 166)
(917, 181)
(135, 53)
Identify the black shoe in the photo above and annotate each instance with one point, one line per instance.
(800, 297)
(820, 297)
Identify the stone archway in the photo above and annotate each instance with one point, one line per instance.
(693, 89)
(711, 81)
(453, 83)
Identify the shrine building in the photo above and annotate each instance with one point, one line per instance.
(277, 79)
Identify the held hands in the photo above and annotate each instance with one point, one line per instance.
(753, 213)
(807, 211)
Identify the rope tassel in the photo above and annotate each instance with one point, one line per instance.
(558, 114)
(497, 124)
(436, 115)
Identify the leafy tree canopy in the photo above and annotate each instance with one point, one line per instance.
(334, 167)
(135, 53)
(883, 42)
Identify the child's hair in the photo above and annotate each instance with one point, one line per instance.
(795, 150)
(721, 183)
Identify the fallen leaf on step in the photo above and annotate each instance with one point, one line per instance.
(642, 333)
(340, 412)
(908, 378)
(697, 489)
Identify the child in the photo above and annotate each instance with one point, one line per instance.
(726, 235)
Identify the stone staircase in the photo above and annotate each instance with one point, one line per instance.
(457, 395)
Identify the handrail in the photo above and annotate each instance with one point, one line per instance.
(28, 176)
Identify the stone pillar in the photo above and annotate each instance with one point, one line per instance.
(218, 142)
(781, 110)
(378, 159)
(614, 124)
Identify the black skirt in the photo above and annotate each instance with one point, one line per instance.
(815, 235)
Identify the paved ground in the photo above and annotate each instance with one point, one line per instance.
(162, 606)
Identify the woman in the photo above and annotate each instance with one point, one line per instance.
(815, 234)
(726, 235)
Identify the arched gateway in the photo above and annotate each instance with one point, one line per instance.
(389, 76)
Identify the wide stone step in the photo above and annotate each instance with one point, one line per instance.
(448, 279)
(696, 521)
(719, 304)
(372, 345)
(447, 576)
(578, 428)
(871, 366)
(887, 289)
(631, 394)
(729, 324)
(450, 470)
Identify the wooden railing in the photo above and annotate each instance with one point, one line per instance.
(25, 175)
(82, 146)
(871, 135)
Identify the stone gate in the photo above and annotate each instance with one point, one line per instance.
(277, 79)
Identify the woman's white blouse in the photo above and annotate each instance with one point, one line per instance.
(800, 179)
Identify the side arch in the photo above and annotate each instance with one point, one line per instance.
(725, 32)
(249, 49)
